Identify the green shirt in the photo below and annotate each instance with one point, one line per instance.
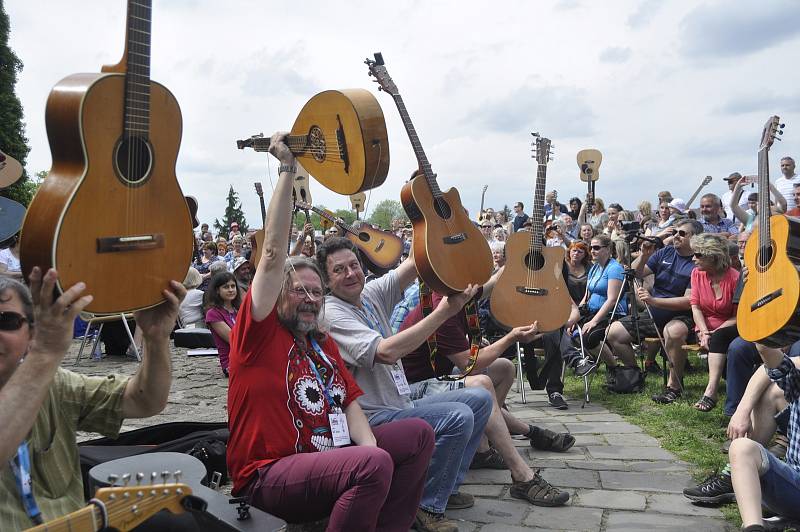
(74, 402)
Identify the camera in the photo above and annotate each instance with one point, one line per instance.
(630, 226)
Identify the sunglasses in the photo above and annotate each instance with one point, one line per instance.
(11, 321)
(681, 232)
(699, 255)
(596, 248)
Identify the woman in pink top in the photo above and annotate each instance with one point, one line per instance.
(713, 283)
(221, 303)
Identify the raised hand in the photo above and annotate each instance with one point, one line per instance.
(54, 317)
(157, 322)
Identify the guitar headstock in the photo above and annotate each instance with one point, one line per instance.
(772, 128)
(377, 69)
(706, 180)
(302, 205)
(130, 505)
(257, 142)
(543, 149)
(485, 188)
(259, 189)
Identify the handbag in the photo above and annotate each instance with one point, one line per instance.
(626, 379)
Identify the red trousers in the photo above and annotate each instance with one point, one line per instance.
(362, 488)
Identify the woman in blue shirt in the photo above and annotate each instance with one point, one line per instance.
(604, 281)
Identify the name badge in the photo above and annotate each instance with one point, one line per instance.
(339, 430)
(400, 381)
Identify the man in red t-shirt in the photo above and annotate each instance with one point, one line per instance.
(290, 397)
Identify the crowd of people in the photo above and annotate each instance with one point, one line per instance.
(362, 399)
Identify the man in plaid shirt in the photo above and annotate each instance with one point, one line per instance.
(758, 476)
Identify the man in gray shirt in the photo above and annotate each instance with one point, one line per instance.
(358, 318)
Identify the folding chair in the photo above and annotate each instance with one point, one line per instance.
(98, 321)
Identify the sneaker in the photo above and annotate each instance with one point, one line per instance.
(539, 492)
(426, 521)
(460, 500)
(716, 489)
(557, 401)
(490, 459)
(668, 396)
(584, 367)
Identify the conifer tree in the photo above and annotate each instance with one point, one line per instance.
(233, 213)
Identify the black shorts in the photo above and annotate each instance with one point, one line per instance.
(647, 329)
(721, 339)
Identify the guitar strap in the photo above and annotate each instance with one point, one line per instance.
(473, 327)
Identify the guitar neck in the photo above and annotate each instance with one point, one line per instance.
(87, 518)
(331, 219)
(298, 144)
(137, 77)
(694, 196)
(537, 214)
(764, 211)
(422, 159)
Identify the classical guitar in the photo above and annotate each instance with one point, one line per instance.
(589, 161)
(257, 238)
(381, 250)
(111, 212)
(10, 170)
(340, 138)
(124, 508)
(706, 180)
(767, 310)
(532, 287)
(449, 250)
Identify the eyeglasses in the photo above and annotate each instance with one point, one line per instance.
(597, 248)
(486, 227)
(302, 293)
(11, 321)
(681, 232)
(698, 255)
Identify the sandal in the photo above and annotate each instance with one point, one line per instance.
(706, 404)
(668, 396)
(539, 492)
(547, 440)
(490, 459)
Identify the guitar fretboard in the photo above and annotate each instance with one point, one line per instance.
(137, 77)
(537, 213)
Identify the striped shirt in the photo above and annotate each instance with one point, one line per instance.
(74, 402)
(786, 188)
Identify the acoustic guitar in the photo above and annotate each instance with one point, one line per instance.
(589, 161)
(532, 287)
(124, 508)
(706, 180)
(767, 311)
(10, 170)
(257, 238)
(483, 196)
(381, 250)
(340, 138)
(449, 250)
(357, 202)
(111, 212)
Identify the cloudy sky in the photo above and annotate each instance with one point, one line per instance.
(668, 91)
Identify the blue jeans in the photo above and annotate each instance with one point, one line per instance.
(780, 486)
(458, 418)
(742, 360)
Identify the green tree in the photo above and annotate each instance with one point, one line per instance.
(348, 216)
(233, 213)
(386, 211)
(12, 128)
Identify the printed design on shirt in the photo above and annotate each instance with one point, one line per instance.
(321, 440)
(308, 396)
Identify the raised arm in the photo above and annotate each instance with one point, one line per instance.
(738, 212)
(780, 200)
(266, 285)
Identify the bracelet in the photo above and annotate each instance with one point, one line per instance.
(286, 168)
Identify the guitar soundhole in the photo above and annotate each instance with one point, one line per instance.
(442, 208)
(363, 236)
(534, 261)
(133, 160)
(765, 256)
(316, 144)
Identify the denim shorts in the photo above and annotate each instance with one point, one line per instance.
(432, 386)
(780, 485)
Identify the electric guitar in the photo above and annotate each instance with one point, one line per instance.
(705, 182)
(10, 170)
(449, 250)
(111, 212)
(381, 250)
(124, 508)
(532, 287)
(340, 138)
(767, 311)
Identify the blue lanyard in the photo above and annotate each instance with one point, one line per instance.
(376, 325)
(21, 467)
(326, 388)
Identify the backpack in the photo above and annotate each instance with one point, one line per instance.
(626, 379)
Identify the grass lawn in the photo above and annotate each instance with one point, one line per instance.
(693, 436)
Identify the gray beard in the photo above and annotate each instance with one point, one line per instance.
(297, 326)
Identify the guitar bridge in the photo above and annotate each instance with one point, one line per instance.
(113, 244)
(455, 239)
(529, 291)
(380, 245)
(766, 299)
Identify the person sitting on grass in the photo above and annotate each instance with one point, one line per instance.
(713, 309)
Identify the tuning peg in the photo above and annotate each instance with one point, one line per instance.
(781, 126)
(535, 134)
(177, 476)
(153, 477)
(139, 477)
(164, 476)
(126, 478)
(112, 479)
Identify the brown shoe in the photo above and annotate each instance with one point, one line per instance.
(430, 522)
(459, 501)
(539, 492)
(490, 459)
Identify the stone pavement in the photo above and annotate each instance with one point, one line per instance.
(619, 478)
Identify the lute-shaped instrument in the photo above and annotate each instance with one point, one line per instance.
(449, 251)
